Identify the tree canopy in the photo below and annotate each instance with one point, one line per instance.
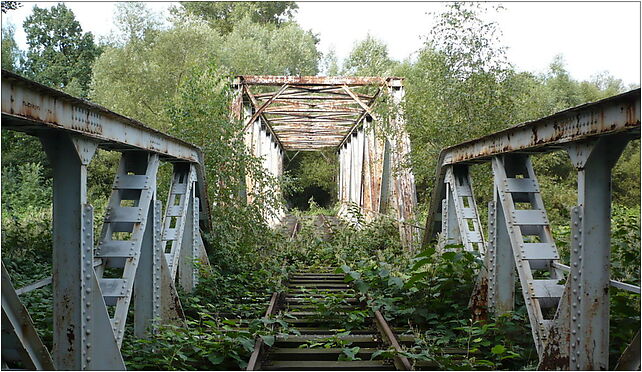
(224, 16)
(59, 54)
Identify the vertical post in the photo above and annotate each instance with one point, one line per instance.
(503, 264)
(147, 283)
(186, 277)
(594, 161)
(490, 259)
(72, 248)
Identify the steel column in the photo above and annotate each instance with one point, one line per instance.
(79, 314)
(594, 161)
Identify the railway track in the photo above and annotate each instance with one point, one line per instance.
(317, 306)
(321, 341)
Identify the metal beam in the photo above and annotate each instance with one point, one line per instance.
(259, 110)
(311, 80)
(20, 341)
(27, 103)
(591, 255)
(36, 109)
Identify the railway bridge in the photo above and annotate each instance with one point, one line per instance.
(146, 249)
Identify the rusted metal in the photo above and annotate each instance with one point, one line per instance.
(620, 113)
(478, 303)
(259, 110)
(365, 107)
(34, 109)
(27, 103)
(254, 362)
(256, 106)
(311, 80)
(314, 110)
(401, 362)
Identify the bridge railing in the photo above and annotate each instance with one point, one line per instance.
(141, 252)
(568, 306)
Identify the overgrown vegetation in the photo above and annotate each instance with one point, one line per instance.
(176, 78)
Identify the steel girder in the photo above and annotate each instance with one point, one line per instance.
(93, 286)
(573, 332)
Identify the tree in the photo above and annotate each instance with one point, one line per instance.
(461, 86)
(368, 57)
(10, 5)
(330, 63)
(138, 77)
(134, 22)
(59, 54)
(224, 16)
(10, 51)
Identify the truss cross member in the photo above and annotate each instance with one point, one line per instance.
(460, 218)
(590, 257)
(528, 235)
(20, 341)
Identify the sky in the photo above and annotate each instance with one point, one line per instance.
(592, 36)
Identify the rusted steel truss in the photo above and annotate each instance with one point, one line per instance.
(568, 306)
(309, 112)
(138, 254)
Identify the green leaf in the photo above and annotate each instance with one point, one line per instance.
(215, 359)
(498, 349)
(421, 263)
(427, 253)
(448, 256)
(268, 339)
(396, 281)
(414, 278)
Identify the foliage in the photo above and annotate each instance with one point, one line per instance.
(314, 176)
(137, 76)
(224, 16)
(430, 293)
(458, 89)
(10, 5)
(176, 79)
(26, 212)
(60, 55)
(207, 343)
(10, 51)
(25, 270)
(369, 57)
(329, 309)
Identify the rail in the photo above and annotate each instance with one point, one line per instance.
(401, 362)
(254, 363)
(614, 283)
